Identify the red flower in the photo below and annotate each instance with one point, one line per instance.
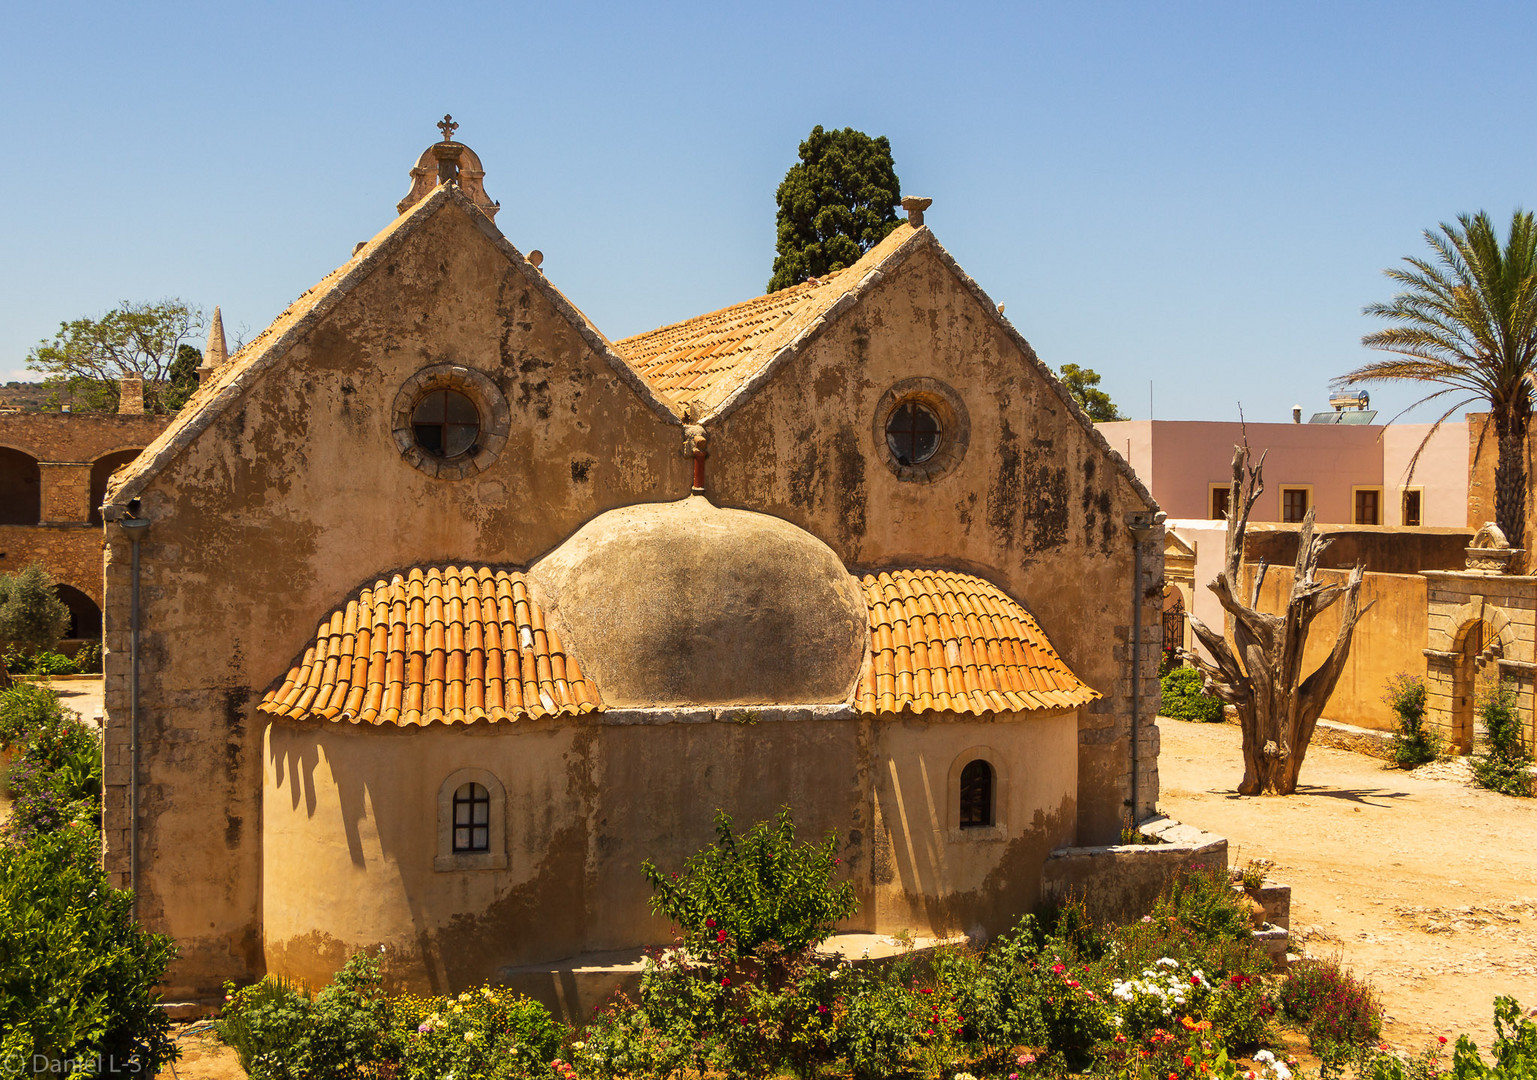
(720, 935)
(725, 982)
(1057, 969)
(1441, 1039)
(1188, 1061)
(1194, 981)
(710, 923)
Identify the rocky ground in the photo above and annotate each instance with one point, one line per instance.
(1421, 882)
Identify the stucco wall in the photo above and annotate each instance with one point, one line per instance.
(350, 825)
(1389, 639)
(1034, 505)
(293, 498)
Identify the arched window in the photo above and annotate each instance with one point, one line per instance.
(472, 822)
(472, 818)
(21, 488)
(101, 472)
(977, 795)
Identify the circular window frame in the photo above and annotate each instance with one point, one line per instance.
(495, 420)
(954, 428)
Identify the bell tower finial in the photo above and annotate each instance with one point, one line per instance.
(449, 161)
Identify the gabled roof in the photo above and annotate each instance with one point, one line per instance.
(702, 361)
(270, 346)
(455, 645)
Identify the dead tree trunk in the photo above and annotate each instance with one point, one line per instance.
(1260, 672)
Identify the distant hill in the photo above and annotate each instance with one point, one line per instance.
(31, 396)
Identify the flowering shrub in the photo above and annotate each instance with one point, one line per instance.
(1156, 995)
(1339, 1010)
(486, 1032)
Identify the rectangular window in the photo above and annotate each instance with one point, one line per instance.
(1411, 506)
(1368, 506)
(1219, 500)
(1294, 503)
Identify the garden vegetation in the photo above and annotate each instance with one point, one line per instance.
(744, 992)
(77, 974)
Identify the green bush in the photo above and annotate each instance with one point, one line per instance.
(282, 1033)
(88, 658)
(78, 976)
(1413, 742)
(1503, 764)
(762, 886)
(31, 614)
(25, 708)
(1184, 699)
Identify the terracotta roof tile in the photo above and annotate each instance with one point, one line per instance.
(460, 644)
(703, 360)
(448, 644)
(941, 640)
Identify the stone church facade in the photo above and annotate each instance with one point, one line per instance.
(451, 610)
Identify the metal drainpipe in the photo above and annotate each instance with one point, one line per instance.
(134, 527)
(1140, 528)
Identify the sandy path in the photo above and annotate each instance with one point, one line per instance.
(1426, 886)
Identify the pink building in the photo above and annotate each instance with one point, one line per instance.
(1355, 474)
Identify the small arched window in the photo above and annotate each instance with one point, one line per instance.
(977, 795)
(472, 822)
(472, 818)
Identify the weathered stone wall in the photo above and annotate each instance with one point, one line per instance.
(296, 495)
(1034, 504)
(64, 446)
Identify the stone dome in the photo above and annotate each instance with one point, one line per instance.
(685, 603)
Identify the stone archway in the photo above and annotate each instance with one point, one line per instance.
(1175, 624)
(21, 488)
(1478, 651)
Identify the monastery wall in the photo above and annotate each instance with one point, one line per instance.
(1033, 503)
(314, 498)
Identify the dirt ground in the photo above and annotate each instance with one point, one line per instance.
(1421, 882)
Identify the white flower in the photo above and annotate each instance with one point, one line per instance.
(1266, 1056)
(1167, 961)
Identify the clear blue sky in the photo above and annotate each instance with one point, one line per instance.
(1198, 195)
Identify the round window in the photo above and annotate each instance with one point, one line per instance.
(445, 424)
(913, 433)
(920, 429)
(450, 421)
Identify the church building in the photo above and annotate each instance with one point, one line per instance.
(436, 611)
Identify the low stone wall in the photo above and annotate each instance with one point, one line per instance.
(1119, 882)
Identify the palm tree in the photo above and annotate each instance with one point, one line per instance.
(1467, 319)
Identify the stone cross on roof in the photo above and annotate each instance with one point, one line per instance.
(447, 127)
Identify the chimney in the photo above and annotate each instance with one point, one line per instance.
(130, 397)
(915, 206)
(1296, 414)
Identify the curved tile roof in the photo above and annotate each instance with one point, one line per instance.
(460, 644)
(957, 642)
(447, 644)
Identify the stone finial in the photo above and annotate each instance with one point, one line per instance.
(215, 353)
(449, 162)
(130, 401)
(915, 206)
